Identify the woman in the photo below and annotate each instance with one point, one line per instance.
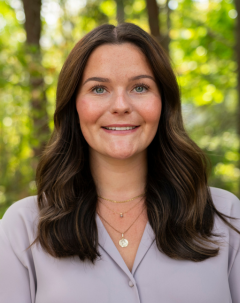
(123, 211)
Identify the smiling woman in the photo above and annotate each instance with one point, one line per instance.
(119, 117)
(123, 212)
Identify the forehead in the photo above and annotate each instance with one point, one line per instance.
(117, 59)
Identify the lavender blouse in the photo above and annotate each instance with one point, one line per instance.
(33, 276)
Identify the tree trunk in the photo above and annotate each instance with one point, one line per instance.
(154, 23)
(120, 11)
(153, 19)
(38, 102)
(237, 4)
(166, 40)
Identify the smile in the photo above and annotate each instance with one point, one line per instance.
(120, 128)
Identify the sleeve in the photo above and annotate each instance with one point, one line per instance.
(234, 279)
(14, 278)
(234, 274)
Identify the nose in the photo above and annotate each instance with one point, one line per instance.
(120, 103)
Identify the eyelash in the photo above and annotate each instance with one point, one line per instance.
(143, 85)
(137, 85)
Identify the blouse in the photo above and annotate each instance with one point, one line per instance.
(34, 276)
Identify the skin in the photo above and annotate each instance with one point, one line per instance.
(118, 158)
(119, 102)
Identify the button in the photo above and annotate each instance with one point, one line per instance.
(130, 283)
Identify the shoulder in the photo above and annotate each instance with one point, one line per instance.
(20, 219)
(25, 209)
(225, 202)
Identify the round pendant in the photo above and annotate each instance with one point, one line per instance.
(123, 242)
(121, 215)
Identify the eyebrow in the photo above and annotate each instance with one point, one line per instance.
(100, 79)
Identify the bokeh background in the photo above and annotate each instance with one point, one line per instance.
(202, 38)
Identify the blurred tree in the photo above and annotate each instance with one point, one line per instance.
(204, 59)
(237, 31)
(40, 129)
(156, 28)
(153, 19)
(17, 176)
(120, 11)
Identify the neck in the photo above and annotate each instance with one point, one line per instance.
(119, 179)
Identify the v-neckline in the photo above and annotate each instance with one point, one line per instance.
(106, 242)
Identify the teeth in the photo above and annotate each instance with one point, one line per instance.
(120, 128)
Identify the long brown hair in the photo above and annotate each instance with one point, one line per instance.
(179, 204)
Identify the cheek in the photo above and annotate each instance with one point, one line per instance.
(88, 115)
(88, 112)
(152, 112)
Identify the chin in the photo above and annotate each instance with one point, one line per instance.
(122, 154)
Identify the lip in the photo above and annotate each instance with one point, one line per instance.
(120, 125)
(120, 132)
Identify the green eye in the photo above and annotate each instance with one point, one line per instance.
(99, 90)
(139, 89)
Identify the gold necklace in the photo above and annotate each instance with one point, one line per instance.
(121, 214)
(122, 242)
(122, 201)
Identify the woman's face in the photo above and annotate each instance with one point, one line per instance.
(118, 103)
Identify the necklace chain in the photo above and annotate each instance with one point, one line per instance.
(128, 227)
(121, 214)
(114, 201)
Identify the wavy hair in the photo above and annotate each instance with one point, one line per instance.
(179, 204)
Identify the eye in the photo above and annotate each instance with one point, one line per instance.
(98, 89)
(140, 88)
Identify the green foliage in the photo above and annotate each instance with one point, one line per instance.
(202, 52)
(15, 167)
